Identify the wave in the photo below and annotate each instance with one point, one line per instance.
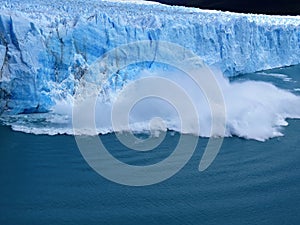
(254, 110)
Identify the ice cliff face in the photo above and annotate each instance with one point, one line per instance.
(46, 46)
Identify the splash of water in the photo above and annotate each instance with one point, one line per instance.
(254, 110)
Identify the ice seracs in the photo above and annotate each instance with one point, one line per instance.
(45, 45)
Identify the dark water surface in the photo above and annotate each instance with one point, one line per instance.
(44, 180)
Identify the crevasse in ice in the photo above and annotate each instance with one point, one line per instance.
(47, 45)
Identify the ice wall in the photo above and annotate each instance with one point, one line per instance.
(46, 46)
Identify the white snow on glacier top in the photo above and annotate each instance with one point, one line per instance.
(73, 8)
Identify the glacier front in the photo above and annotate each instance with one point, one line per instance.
(45, 47)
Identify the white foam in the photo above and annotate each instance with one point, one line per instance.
(254, 110)
(283, 77)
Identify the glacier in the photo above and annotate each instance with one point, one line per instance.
(46, 46)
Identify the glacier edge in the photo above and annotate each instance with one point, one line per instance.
(46, 46)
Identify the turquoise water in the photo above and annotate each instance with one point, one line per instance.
(45, 180)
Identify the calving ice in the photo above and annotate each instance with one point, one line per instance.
(47, 47)
(199, 108)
